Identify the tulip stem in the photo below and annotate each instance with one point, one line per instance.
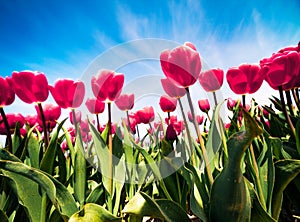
(201, 141)
(286, 115)
(110, 179)
(215, 98)
(98, 122)
(188, 132)
(289, 102)
(244, 101)
(169, 117)
(46, 138)
(128, 122)
(9, 140)
(296, 98)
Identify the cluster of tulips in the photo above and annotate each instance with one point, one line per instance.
(182, 68)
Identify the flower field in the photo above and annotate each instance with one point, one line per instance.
(192, 167)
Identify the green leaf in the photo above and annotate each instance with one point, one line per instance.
(3, 216)
(95, 195)
(79, 171)
(93, 213)
(298, 136)
(142, 205)
(285, 172)
(230, 198)
(27, 192)
(257, 212)
(33, 146)
(57, 193)
(47, 163)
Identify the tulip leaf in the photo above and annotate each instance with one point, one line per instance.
(3, 216)
(298, 136)
(258, 213)
(142, 205)
(95, 194)
(57, 193)
(93, 213)
(33, 147)
(230, 198)
(79, 171)
(47, 163)
(27, 192)
(285, 171)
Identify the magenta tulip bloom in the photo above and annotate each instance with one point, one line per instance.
(146, 114)
(95, 106)
(107, 85)
(167, 103)
(204, 105)
(245, 79)
(182, 65)
(30, 86)
(282, 69)
(51, 112)
(171, 89)
(125, 102)
(211, 80)
(77, 116)
(68, 93)
(12, 119)
(7, 94)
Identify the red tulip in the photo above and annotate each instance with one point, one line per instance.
(107, 85)
(167, 104)
(211, 80)
(51, 113)
(199, 118)
(30, 86)
(12, 119)
(7, 94)
(146, 114)
(68, 93)
(245, 79)
(171, 89)
(204, 105)
(231, 103)
(125, 102)
(77, 116)
(182, 65)
(282, 69)
(95, 106)
(171, 134)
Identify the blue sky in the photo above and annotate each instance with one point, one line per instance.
(60, 38)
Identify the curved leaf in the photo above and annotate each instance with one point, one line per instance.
(93, 213)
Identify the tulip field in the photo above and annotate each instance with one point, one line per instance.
(190, 167)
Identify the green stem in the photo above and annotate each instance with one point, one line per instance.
(188, 132)
(74, 120)
(296, 98)
(201, 141)
(98, 122)
(215, 98)
(289, 102)
(110, 179)
(9, 140)
(244, 100)
(286, 115)
(43, 207)
(46, 138)
(128, 122)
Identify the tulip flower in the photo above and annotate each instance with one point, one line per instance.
(171, 89)
(77, 114)
(12, 119)
(211, 80)
(95, 106)
(281, 69)
(51, 112)
(30, 86)
(107, 85)
(167, 104)
(204, 105)
(68, 93)
(171, 134)
(199, 118)
(146, 114)
(182, 65)
(245, 79)
(7, 94)
(125, 102)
